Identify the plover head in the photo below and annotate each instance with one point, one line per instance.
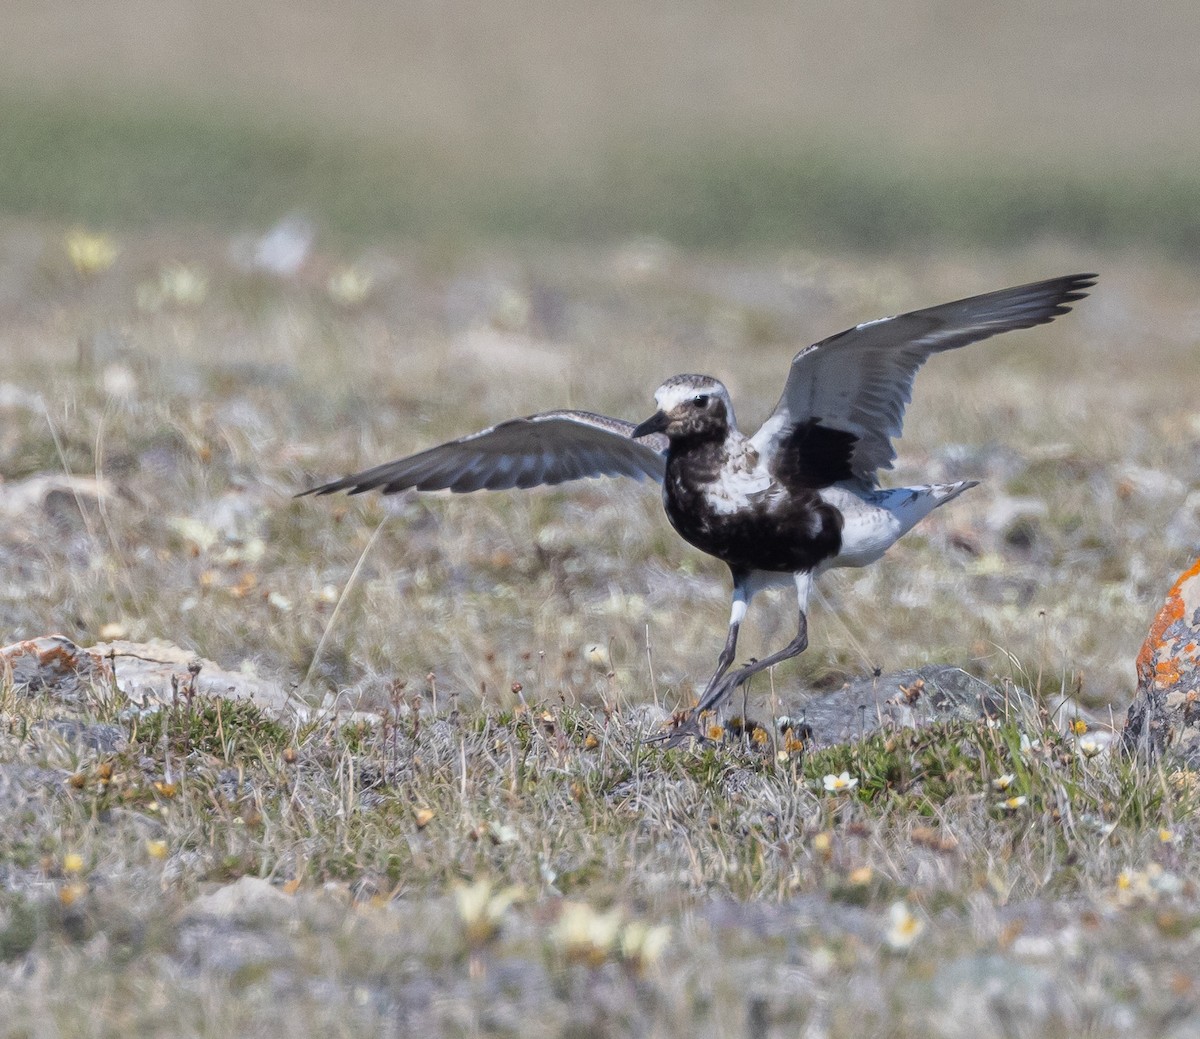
(690, 406)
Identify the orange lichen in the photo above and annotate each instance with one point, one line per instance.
(1148, 670)
(1166, 673)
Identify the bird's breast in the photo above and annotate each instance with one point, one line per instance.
(742, 517)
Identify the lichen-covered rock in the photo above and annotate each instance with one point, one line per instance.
(148, 673)
(54, 664)
(1165, 713)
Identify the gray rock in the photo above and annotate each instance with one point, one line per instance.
(249, 898)
(144, 672)
(936, 693)
(106, 739)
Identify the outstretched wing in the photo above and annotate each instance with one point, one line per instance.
(549, 448)
(861, 379)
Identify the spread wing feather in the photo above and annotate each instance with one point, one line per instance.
(549, 448)
(860, 380)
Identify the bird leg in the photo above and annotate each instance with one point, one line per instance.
(723, 663)
(721, 686)
(743, 591)
(793, 649)
(689, 724)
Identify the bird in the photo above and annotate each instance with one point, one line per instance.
(797, 498)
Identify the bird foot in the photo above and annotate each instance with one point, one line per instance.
(693, 723)
(698, 725)
(684, 724)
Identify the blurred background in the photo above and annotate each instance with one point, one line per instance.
(839, 122)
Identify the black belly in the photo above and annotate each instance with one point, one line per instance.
(796, 537)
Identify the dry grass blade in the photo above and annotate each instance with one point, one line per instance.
(347, 588)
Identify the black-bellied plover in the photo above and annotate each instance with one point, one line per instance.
(799, 497)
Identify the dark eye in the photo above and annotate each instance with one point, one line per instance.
(700, 400)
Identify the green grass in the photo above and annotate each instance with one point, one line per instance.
(68, 160)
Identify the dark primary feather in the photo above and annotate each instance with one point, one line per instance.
(860, 380)
(549, 448)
